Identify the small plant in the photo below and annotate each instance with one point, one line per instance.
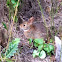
(43, 49)
(12, 47)
(11, 50)
(11, 4)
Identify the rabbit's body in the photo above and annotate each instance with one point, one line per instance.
(33, 30)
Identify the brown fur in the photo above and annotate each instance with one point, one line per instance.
(33, 30)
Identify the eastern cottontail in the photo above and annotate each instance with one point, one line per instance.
(33, 30)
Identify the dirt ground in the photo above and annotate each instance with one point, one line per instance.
(26, 10)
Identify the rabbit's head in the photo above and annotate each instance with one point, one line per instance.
(26, 24)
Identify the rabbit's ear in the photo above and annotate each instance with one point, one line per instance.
(30, 21)
(20, 20)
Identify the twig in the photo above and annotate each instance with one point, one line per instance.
(43, 17)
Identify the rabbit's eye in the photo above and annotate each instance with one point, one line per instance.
(23, 25)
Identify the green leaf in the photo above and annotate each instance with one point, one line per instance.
(42, 54)
(39, 41)
(45, 45)
(4, 25)
(8, 2)
(30, 41)
(40, 47)
(51, 47)
(35, 53)
(13, 47)
(16, 5)
(48, 48)
(51, 41)
(16, 41)
(35, 44)
(13, 1)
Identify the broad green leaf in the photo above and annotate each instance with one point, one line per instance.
(35, 53)
(40, 47)
(51, 47)
(13, 1)
(42, 54)
(35, 44)
(13, 47)
(10, 51)
(30, 41)
(39, 41)
(48, 48)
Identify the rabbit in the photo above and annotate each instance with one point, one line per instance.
(33, 30)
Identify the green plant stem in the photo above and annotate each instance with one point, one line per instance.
(42, 12)
(12, 27)
(43, 17)
(52, 19)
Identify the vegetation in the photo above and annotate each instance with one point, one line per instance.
(10, 51)
(42, 48)
(12, 46)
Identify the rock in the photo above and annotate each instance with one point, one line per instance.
(58, 49)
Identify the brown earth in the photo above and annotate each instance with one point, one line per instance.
(27, 9)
